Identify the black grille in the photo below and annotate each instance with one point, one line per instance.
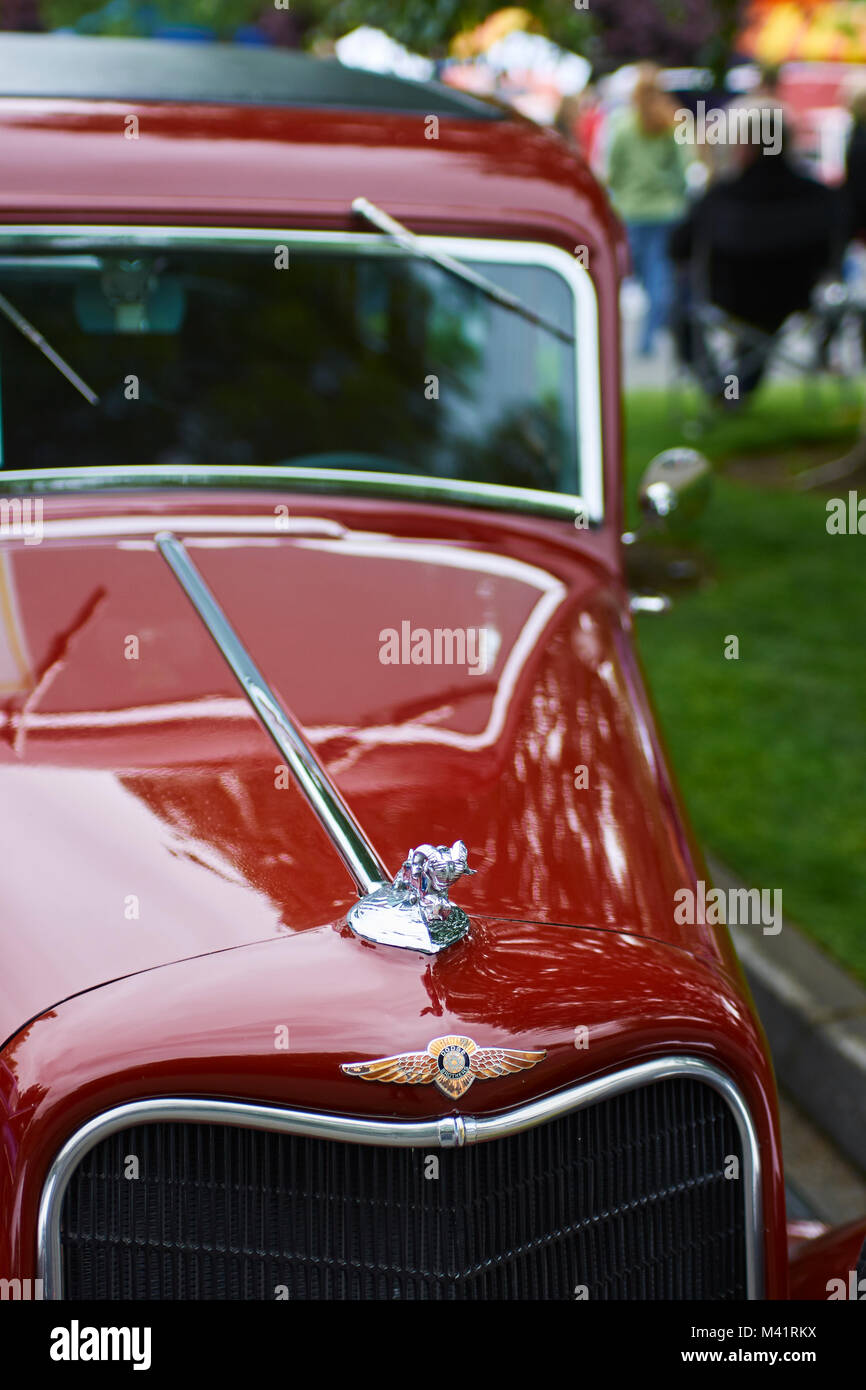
(627, 1198)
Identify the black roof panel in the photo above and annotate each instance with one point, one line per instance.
(107, 69)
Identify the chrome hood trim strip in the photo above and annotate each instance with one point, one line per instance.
(448, 1132)
(349, 839)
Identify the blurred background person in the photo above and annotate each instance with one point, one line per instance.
(855, 163)
(646, 175)
(581, 120)
(768, 90)
(755, 246)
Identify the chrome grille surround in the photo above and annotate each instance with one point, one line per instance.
(449, 1132)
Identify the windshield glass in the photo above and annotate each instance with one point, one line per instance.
(307, 355)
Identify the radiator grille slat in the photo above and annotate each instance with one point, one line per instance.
(627, 1197)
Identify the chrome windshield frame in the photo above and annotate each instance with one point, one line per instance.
(588, 425)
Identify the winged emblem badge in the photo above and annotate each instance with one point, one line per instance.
(453, 1063)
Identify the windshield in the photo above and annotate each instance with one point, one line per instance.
(318, 356)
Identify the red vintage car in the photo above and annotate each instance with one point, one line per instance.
(339, 948)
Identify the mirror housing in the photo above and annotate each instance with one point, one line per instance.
(675, 487)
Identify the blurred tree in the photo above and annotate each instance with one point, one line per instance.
(608, 32)
(428, 26)
(132, 17)
(21, 15)
(675, 33)
(720, 47)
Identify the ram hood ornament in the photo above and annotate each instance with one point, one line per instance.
(414, 910)
(452, 1062)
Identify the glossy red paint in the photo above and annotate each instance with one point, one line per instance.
(189, 843)
(67, 161)
(833, 1256)
(207, 1028)
(70, 156)
(800, 1231)
(181, 809)
(150, 777)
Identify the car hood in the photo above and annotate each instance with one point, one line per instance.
(275, 1023)
(145, 816)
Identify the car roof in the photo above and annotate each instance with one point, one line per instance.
(231, 158)
(108, 69)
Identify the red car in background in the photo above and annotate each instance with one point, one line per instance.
(338, 942)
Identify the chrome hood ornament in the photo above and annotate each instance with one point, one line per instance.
(414, 911)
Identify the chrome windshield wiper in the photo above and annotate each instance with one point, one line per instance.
(26, 327)
(383, 222)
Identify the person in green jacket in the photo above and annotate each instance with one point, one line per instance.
(646, 176)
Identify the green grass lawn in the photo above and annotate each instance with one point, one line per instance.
(770, 749)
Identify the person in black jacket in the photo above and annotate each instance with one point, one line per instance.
(855, 165)
(755, 245)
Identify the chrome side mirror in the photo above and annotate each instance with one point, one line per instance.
(675, 487)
